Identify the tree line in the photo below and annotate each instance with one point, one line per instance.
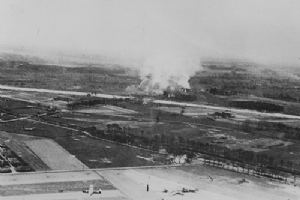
(180, 146)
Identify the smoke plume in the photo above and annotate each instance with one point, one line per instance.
(167, 70)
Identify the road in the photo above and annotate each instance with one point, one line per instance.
(64, 92)
(164, 102)
(218, 108)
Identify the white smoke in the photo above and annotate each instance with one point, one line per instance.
(167, 70)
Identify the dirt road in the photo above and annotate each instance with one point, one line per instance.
(218, 108)
(75, 93)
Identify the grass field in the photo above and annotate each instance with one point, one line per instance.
(99, 153)
(94, 153)
(145, 121)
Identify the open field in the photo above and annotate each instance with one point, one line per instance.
(209, 184)
(53, 187)
(164, 183)
(107, 195)
(70, 127)
(150, 100)
(96, 77)
(54, 156)
(48, 177)
(92, 152)
(16, 143)
(78, 119)
(54, 184)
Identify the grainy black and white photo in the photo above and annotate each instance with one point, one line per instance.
(149, 99)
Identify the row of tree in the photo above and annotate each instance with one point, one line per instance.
(180, 146)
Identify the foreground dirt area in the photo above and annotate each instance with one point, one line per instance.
(56, 185)
(204, 183)
(168, 183)
(107, 195)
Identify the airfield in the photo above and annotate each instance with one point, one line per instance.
(130, 183)
(149, 100)
(57, 140)
(59, 174)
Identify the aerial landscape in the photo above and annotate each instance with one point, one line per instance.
(146, 112)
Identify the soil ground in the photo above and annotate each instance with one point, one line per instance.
(208, 185)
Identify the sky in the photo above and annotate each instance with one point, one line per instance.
(265, 31)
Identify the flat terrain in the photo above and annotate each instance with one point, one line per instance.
(54, 156)
(164, 183)
(60, 118)
(5, 87)
(209, 184)
(52, 187)
(98, 77)
(66, 131)
(55, 185)
(17, 143)
(106, 195)
(48, 177)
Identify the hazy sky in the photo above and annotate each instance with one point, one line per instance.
(260, 30)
